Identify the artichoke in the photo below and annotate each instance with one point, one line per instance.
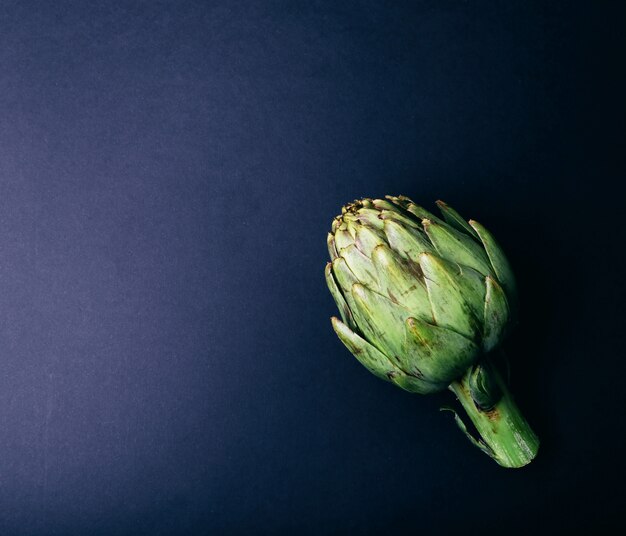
(424, 302)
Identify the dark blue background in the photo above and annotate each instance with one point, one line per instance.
(168, 172)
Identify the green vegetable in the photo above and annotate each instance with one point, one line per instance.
(423, 303)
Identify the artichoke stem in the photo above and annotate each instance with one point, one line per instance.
(504, 433)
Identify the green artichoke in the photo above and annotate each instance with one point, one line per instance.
(423, 303)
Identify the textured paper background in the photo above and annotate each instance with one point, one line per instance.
(168, 172)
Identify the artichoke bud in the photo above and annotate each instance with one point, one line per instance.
(426, 296)
(484, 389)
(423, 300)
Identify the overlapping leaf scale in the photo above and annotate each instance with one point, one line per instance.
(343, 238)
(421, 213)
(400, 218)
(380, 320)
(342, 304)
(440, 354)
(345, 279)
(370, 216)
(457, 247)
(408, 243)
(386, 330)
(360, 265)
(496, 315)
(367, 238)
(498, 260)
(402, 281)
(456, 294)
(453, 218)
(332, 247)
(370, 357)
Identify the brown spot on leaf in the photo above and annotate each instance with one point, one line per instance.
(410, 289)
(416, 373)
(416, 270)
(493, 414)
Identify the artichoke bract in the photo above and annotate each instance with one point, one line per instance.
(423, 303)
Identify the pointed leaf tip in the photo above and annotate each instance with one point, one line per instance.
(496, 315)
(454, 219)
(332, 248)
(498, 261)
